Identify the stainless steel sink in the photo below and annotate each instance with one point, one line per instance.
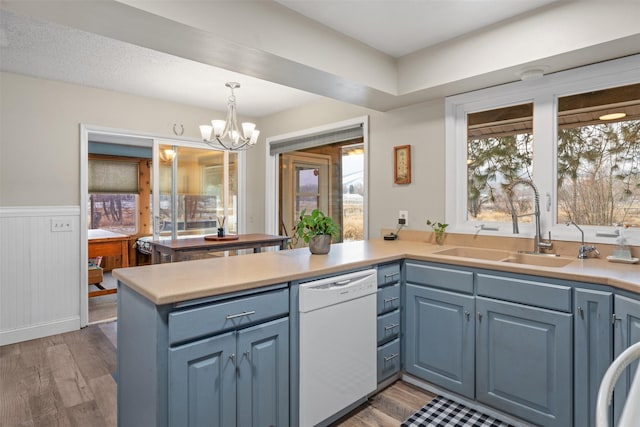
(476, 253)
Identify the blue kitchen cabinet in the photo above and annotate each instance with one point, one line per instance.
(593, 350)
(626, 333)
(524, 347)
(217, 361)
(440, 345)
(202, 378)
(389, 324)
(263, 375)
(440, 326)
(239, 378)
(523, 361)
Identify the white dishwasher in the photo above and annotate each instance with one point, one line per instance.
(337, 344)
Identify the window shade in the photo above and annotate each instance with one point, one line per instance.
(295, 144)
(107, 176)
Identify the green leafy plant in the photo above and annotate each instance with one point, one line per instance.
(314, 224)
(438, 227)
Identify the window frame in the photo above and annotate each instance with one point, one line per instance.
(544, 94)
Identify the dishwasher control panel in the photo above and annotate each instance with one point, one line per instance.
(337, 289)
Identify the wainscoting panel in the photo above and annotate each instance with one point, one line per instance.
(39, 272)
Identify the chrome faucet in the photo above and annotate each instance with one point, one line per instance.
(538, 243)
(583, 251)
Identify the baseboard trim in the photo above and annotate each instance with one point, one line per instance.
(39, 331)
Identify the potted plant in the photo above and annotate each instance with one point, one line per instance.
(439, 230)
(316, 229)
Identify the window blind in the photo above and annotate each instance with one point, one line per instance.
(107, 176)
(331, 137)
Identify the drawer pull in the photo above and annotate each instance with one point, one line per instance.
(389, 300)
(389, 358)
(244, 313)
(392, 326)
(391, 275)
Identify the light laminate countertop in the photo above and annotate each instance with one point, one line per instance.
(182, 281)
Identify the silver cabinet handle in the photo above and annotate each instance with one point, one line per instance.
(233, 358)
(580, 312)
(614, 318)
(388, 300)
(247, 354)
(479, 316)
(391, 275)
(392, 326)
(393, 356)
(467, 315)
(244, 313)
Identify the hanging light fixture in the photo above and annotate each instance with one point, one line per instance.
(226, 133)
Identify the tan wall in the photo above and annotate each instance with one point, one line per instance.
(40, 133)
(40, 145)
(421, 126)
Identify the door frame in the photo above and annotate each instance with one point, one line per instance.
(271, 169)
(128, 137)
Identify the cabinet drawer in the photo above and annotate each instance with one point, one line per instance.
(388, 326)
(388, 274)
(445, 278)
(206, 320)
(545, 295)
(388, 359)
(388, 298)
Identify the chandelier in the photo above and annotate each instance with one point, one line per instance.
(226, 133)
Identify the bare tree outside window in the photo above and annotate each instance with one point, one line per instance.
(598, 174)
(499, 151)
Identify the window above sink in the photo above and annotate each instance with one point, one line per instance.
(552, 131)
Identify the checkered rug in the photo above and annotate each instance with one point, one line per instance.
(442, 412)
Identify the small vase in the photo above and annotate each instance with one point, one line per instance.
(320, 245)
(439, 237)
(221, 232)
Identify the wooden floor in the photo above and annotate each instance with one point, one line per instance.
(66, 380)
(61, 380)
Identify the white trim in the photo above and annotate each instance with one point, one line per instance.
(544, 94)
(83, 244)
(36, 211)
(271, 169)
(40, 330)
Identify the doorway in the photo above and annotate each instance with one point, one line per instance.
(323, 167)
(205, 175)
(305, 185)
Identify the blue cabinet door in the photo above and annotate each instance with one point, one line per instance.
(440, 338)
(202, 390)
(263, 375)
(626, 332)
(593, 350)
(524, 361)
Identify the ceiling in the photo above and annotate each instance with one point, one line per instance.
(70, 42)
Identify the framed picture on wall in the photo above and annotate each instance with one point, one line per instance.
(402, 164)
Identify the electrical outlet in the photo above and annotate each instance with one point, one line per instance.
(61, 224)
(404, 215)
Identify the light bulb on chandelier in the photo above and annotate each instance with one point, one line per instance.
(226, 133)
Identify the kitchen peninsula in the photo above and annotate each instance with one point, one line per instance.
(169, 313)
